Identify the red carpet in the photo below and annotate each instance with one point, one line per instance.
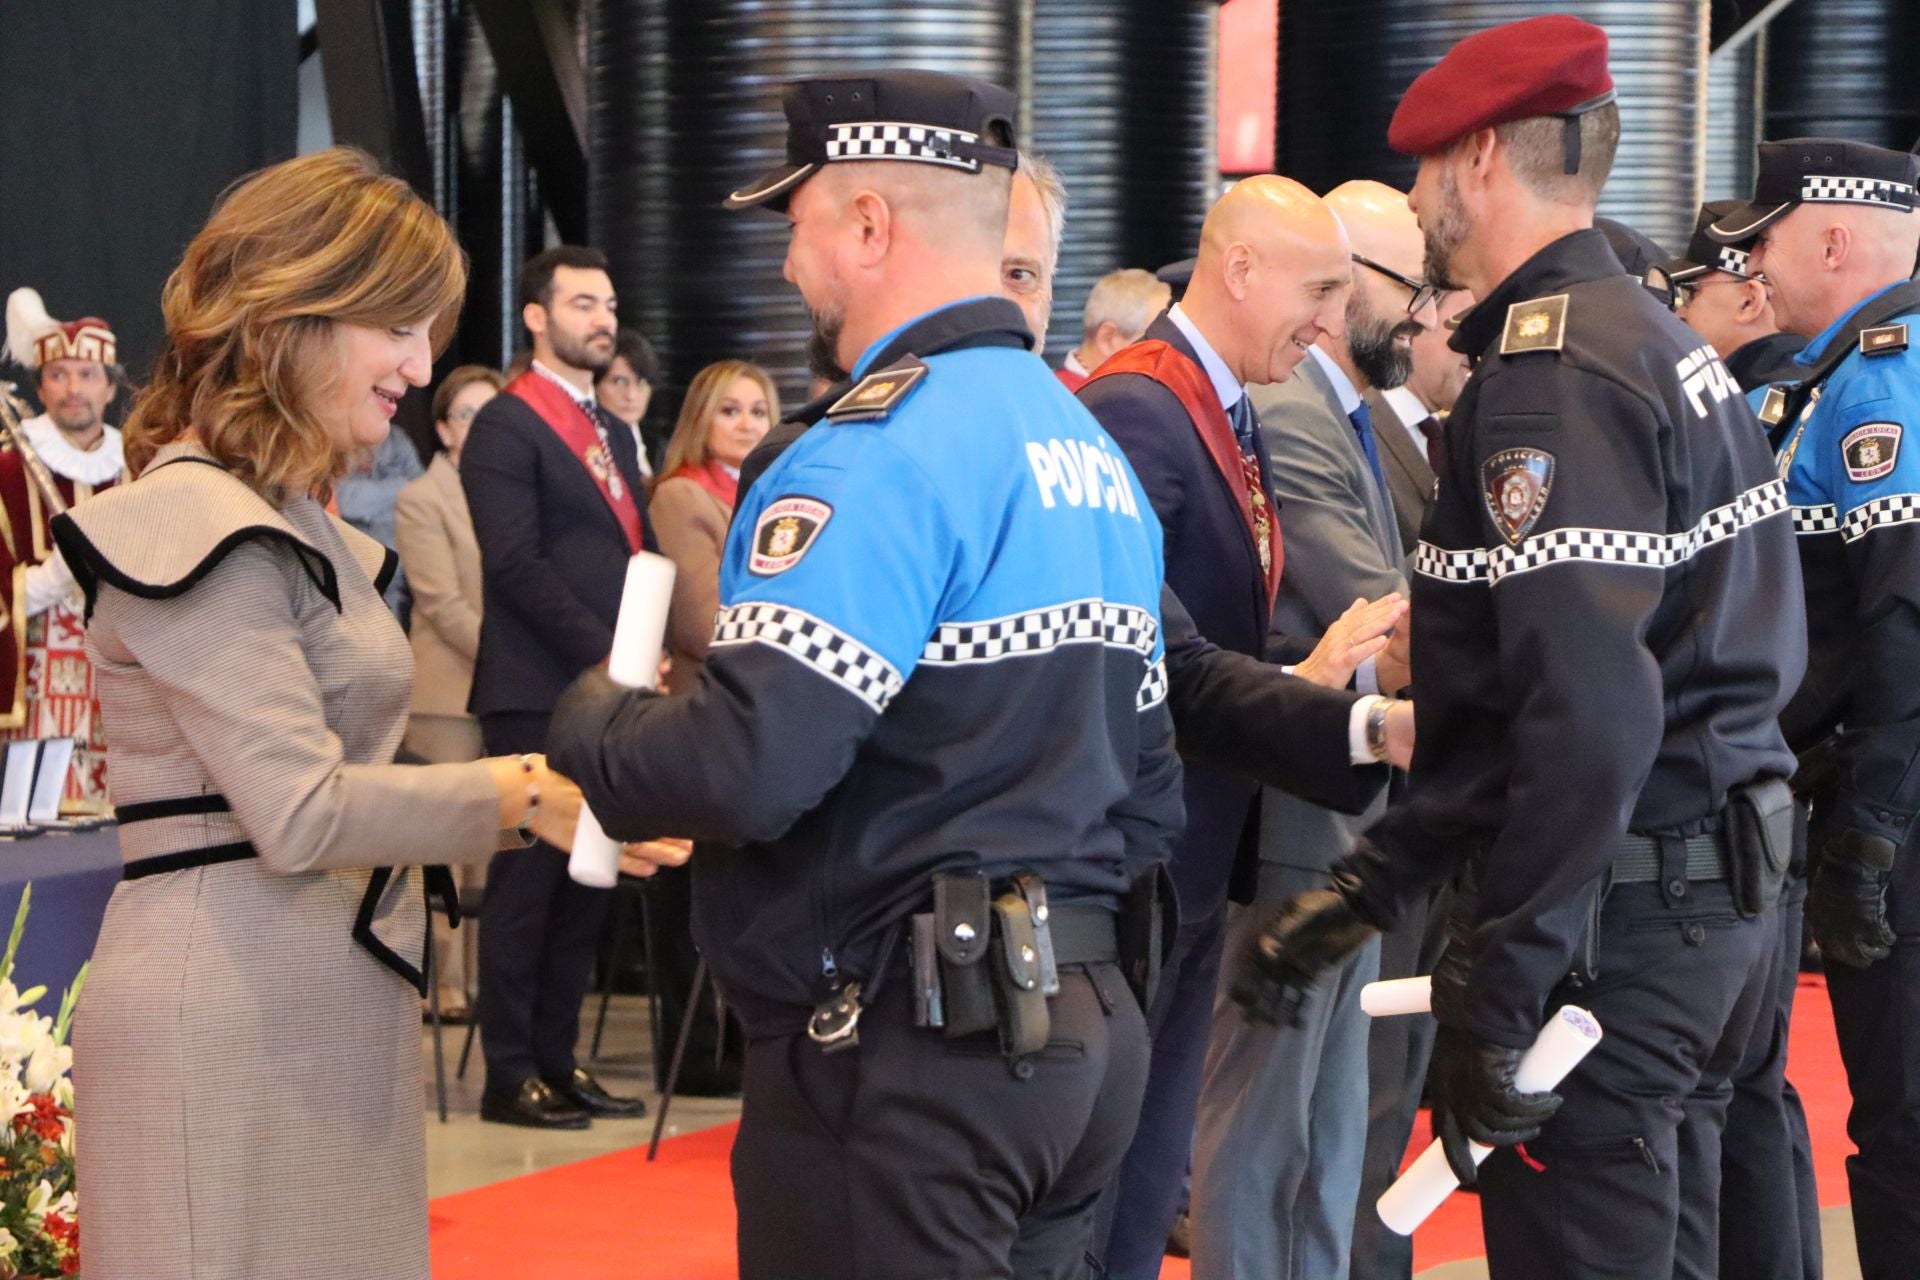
(618, 1218)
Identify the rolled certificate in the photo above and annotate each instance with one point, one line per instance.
(1394, 996)
(637, 636)
(1569, 1036)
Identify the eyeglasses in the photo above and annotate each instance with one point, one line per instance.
(1423, 293)
(1684, 291)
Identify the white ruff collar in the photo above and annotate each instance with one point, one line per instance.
(96, 466)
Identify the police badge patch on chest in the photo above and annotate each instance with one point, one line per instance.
(1515, 483)
(1871, 451)
(783, 534)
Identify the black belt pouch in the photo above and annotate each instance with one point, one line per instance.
(962, 921)
(1147, 924)
(1759, 831)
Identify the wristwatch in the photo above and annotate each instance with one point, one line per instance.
(1377, 727)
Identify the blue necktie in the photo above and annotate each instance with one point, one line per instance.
(1363, 427)
(1240, 417)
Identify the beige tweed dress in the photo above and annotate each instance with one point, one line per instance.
(246, 1063)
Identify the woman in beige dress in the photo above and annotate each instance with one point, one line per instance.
(433, 532)
(729, 407)
(247, 1054)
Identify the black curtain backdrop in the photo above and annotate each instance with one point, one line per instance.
(120, 122)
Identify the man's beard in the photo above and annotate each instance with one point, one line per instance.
(76, 421)
(1444, 234)
(1373, 342)
(578, 353)
(823, 345)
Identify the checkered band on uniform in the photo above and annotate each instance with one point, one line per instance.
(1897, 508)
(1041, 631)
(1604, 546)
(1833, 190)
(1153, 690)
(822, 646)
(1733, 260)
(1824, 518)
(881, 141)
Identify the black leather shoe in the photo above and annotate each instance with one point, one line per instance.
(584, 1092)
(532, 1105)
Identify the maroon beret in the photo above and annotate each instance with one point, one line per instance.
(1549, 66)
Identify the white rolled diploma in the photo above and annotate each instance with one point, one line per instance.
(1569, 1036)
(638, 634)
(1391, 997)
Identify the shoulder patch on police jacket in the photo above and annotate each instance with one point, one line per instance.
(1871, 451)
(784, 533)
(1536, 325)
(1515, 484)
(879, 393)
(1883, 340)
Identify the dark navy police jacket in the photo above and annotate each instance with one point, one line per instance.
(938, 649)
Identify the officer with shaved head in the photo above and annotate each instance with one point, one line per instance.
(1606, 628)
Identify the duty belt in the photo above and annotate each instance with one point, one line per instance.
(439, 880)
(1638, 861)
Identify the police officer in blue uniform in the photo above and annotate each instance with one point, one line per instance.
(933, 725)
(1718, 294)
(1602, 650)
(1835, 231)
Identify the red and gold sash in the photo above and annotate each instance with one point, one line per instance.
(576, 430)
(1182, 375)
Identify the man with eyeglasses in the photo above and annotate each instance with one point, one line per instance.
(1283, 1119)
(1721, 298)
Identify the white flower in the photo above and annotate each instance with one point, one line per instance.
(39, 1200)
(47, 1067)
(67, 1206)
(66, 1137)
(62, 1092)
(13, 1099)
(8, 1245)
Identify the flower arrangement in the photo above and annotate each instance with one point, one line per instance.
(39, 1215)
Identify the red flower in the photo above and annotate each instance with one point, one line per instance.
(43, 1115)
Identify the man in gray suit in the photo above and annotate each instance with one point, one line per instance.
(1411, 418)
(1283, 1112)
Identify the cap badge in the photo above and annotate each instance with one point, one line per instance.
(1773, 407)
(1516, 483)
(879, 393)
(1538, 325)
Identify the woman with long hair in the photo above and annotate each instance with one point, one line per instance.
(729, 406)
(247, 1057)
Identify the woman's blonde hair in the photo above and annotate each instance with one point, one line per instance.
(289, 253)
(687, 447)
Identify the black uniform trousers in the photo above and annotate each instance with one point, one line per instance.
(1624, 1182)
(910, 1156)
(1769, 1209)
(1398, 1050)
(1876, 1013)
(538, 933)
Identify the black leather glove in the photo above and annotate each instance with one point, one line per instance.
(1474, 1098)
(1455, 965)
(1309, 935)
(1847, 898)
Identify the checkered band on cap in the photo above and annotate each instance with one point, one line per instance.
(1835, 190)
(1897, 508)
(1824, 518)
(882, 141)
(1732, 259)
(1604, 546)
(820, 645)
(1042, 631)
(1153, 690)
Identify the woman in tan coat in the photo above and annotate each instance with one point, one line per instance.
(433, 532)
(247, 1054)
(729, 407)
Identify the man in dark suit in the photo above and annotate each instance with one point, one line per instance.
(558, 508)
(1272, 277)
(1410, 419)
